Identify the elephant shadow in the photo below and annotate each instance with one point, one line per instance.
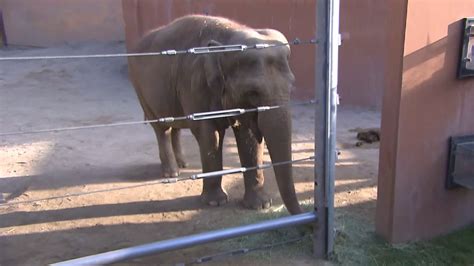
(16, 186)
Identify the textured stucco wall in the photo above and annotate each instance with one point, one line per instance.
(54, 22)
(361, 65)
(423, 106)
(293, 18)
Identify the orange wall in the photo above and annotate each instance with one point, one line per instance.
(53, 22)
(362, 69)
(361, 65)
(421, 111)
(293, 18)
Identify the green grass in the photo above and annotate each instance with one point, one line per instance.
(357, 244)
(293, 250)
(270, 256)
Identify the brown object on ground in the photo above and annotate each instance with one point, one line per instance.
(369, 135)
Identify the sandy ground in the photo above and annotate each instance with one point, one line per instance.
(46, 94)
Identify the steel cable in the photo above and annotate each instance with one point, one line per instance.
(172, 52)
(166, 181)
(192, 117)
(240, 251)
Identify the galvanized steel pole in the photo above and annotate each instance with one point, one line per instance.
(191, 240)
(327, 25)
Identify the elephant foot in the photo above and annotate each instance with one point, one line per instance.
(181, 163)
(169, 173)
(256, 200)
(214, 198)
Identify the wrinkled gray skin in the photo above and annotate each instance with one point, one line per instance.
(185, 84)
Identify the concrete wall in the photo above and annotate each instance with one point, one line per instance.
(54, 22)
(424, 104)
(362, 69)
(293, 18)
(361, 66)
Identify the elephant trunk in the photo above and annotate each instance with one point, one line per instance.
(275, 127)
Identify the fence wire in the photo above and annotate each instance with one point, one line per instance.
(171, 52)
(239, 252)
(166, 181)
(192, 117)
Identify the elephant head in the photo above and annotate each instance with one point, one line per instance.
(259, 77)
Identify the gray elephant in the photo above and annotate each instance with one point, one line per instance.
(183, 84)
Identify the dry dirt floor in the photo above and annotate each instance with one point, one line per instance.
(44, 94)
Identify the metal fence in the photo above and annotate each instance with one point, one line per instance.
(327, 42)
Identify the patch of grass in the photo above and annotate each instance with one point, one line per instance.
(299, 252)
(356, 244)
(292, 250)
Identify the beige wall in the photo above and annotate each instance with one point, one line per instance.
(424, 105)
(54, 22)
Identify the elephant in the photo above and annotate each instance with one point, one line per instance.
(183, 84)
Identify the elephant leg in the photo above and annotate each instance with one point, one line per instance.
(178, 152)
(210, 145)
(251, 154)
(169, 166)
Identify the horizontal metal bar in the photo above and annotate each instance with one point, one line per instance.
(192, 117)
(242, 169)
(219, 173)
(195, 51)
(191, 240)
(216, 114)
(218, 49)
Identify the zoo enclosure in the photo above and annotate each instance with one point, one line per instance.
(326, 77)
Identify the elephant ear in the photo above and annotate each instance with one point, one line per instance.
(213, 68)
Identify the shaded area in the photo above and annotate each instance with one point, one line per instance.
(74, 177)
(420, 114)
(103, 210)
(357, 244)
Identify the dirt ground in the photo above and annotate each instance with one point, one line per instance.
(59, 93)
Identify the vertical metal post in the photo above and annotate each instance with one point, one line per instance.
(327, 25)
